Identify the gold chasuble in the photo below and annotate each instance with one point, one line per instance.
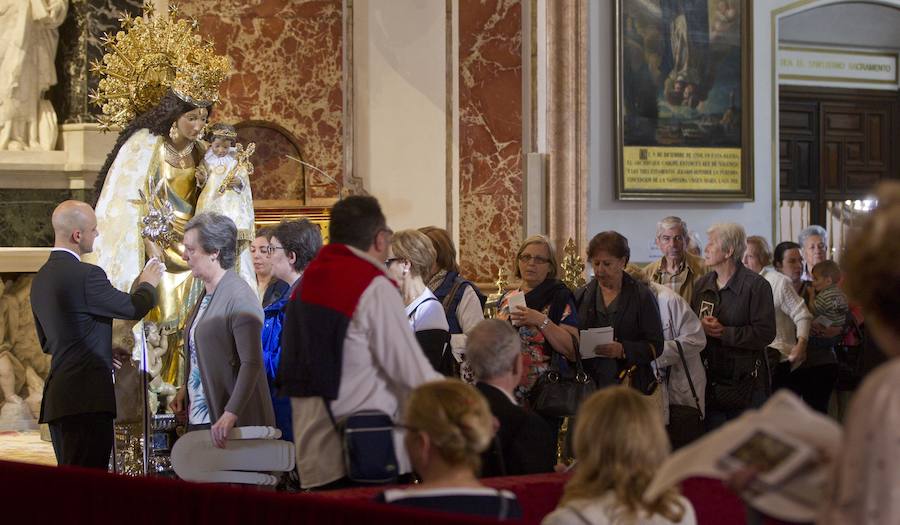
(176, 187)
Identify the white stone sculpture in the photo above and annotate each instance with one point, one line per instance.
(23, 365)
(157, 345)
(28, 38)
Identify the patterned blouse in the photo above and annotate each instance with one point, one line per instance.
(198, 409)
(537, 360)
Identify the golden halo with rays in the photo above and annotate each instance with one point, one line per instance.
(149, 56)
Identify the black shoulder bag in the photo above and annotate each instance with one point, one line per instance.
(557, 393)
(367, 440)
(685, 421)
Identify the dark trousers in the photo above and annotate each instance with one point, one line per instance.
(83, 440)
(814, 385)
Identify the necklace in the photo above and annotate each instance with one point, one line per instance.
(178, 156)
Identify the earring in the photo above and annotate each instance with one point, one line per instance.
(173, 132)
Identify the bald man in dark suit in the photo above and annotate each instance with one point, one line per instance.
(74, 304)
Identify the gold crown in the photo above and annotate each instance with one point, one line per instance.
(151, 55)
(224, 133)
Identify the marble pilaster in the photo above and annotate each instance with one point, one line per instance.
(490, 135)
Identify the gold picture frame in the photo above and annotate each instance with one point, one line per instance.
(684, 123)
(270, 213)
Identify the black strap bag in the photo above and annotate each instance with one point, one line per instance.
(367, 440)
(559, 393)
(735, 393)
(685, 421)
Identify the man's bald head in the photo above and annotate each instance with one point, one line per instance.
(75, 226)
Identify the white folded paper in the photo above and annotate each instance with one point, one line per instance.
(592, 338)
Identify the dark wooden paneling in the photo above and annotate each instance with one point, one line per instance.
(836, 144)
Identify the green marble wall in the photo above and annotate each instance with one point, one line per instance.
(25, 215)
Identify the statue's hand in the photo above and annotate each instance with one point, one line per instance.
(151, 249)
(200, 175)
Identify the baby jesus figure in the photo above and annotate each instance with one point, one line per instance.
(226, 188)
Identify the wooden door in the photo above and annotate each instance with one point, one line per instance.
(836, 144)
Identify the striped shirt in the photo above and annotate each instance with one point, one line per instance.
(831, 305)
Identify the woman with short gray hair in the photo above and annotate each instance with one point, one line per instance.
(813, 241)
(225, 385)
(737, 312)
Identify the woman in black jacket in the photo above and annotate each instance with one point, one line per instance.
(613, 298)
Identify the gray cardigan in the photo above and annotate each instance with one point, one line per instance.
(229, 354)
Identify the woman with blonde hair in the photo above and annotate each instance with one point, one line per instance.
(619, 442)
(448, 425)
(410, 258)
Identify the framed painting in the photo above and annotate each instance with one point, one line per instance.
(683, 100)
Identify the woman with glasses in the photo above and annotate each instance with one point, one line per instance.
(291, 247)
(547, 321)
(614, 298)
(225, 385)
(410, 258)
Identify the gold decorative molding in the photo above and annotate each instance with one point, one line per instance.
(567, 120)
(351, 183)
(572, 266)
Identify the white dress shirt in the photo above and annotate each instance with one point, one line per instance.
(381, 363)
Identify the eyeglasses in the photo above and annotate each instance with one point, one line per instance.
(527, 258)
(270, 249)
(392, 260)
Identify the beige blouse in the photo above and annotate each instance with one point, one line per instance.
(867, 482)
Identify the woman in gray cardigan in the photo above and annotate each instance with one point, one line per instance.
(225, 383)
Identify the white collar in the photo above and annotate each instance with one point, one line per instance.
(424, 296)
(511, 398)
(61, 249)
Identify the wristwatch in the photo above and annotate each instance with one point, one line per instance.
(544, 324)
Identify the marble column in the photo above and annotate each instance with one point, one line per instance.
(490, 136)
(567, 122)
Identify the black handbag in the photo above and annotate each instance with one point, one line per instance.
(685, 421)
(559, 394)
(732, 394)
(367, 440)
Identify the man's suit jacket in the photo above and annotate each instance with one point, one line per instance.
(527, 443)
(73, 305)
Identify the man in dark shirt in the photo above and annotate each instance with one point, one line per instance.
(74, 305)
(525, 443)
